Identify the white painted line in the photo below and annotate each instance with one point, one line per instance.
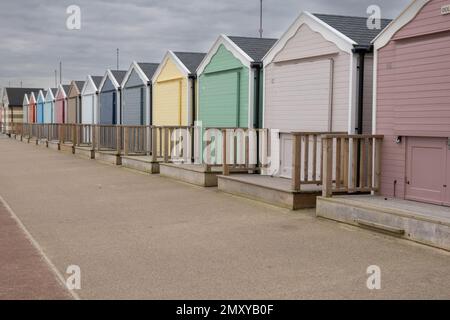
(59, 276)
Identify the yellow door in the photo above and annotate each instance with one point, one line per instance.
(168, 103)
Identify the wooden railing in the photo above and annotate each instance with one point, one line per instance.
(241, 149)
(351, 163)
(307, 159)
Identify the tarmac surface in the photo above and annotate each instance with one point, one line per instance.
(136, 236)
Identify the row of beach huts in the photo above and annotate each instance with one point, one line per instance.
(362, 117)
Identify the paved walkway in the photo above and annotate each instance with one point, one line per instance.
(24, 273)
(140, 236)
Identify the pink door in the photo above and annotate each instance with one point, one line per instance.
(426, 166)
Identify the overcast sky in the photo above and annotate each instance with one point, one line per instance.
(34, 37)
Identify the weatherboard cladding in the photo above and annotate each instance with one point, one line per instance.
(224, 92)
(169, 96)
(297, 85)
(48, 106)
(40, 109)
(108, 103)
(413, 91)
(74, 101)
(89, 100)
(110, 99)
(134, 97)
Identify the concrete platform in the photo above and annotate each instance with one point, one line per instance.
(66, 147)
(271, 190)
(54, 145)
(424, 223)
(110, 157)
(141, 163)
(191, 173)
(85, 152)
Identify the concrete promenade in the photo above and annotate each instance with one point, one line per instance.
(136, 236)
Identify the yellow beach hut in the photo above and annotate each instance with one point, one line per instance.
(174, 87)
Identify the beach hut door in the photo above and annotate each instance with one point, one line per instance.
(426, 167)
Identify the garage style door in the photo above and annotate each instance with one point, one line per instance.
(108, 108)
(427, 167)
(169, 99)
(133, 106)
(219, 105)
(298, 99)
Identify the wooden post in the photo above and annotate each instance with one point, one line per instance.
(346, 162)
(166, 144)
(354, 166)
(154, 144)
(94, 137)
(306, 160)
(327, 189)
(225, 168)
(338, 163)
(61, 134)
(296, 162)
(119, 140)
(370, 163)
(126, 140)
(98, 137)
(314, 174)
(378, 143)
(362, 163)
(74, 135)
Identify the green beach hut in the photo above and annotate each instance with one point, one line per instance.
(230, 83)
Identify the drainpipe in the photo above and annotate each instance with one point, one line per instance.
(150, 97)
(361, 51)
(257, 117)
(119, 102)
(193, 77)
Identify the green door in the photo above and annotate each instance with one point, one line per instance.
(220, 96)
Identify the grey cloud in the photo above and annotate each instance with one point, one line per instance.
(35, 39)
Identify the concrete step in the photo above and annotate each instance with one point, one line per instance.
(190, 173)
(140, 163)
(109, 157)
(397, 218)
(274, 191)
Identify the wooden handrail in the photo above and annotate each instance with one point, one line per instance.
(352, 163)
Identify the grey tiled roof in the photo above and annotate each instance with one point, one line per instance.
(97, 80)
(119, 75)
(148, 68)
(353, 27)
(54, 91)
(66, 88)
(256, 48)
(79, 85)
(16, 95)
(191, 60)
